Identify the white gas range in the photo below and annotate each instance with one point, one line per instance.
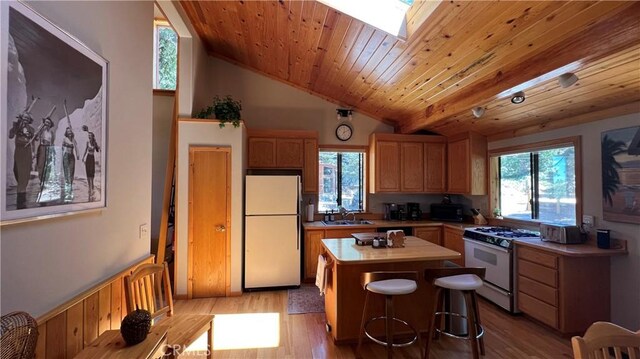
(492, 248)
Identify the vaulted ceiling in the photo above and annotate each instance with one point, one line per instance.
(458, 55)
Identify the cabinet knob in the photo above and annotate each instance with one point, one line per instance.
(220, 228)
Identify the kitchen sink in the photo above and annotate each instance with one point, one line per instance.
(346, 222)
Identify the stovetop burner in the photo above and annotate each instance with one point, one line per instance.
(499, 236)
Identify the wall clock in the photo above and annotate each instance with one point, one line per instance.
(344, 132)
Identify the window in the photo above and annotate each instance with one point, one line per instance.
(538, 182)
(386, 15)
(165, 56)
(341, 180)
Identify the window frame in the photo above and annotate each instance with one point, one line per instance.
(365, 176)
(494, 172)
(156, 24)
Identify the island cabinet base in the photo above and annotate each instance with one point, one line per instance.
(344, 299)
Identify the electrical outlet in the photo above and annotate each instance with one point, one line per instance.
(588, 220)
(144, 231)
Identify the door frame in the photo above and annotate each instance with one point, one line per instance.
(227, 279)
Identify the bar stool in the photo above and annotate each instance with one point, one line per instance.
(466, 280)
(388, 284)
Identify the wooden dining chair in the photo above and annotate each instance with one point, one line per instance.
(148, 287)
(603, 338)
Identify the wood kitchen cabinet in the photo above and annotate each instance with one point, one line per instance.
(286, 150)
(567, 293)
(405, 163)
(452, 239)
(467, 164)
(310, 166)
(313, 246)
(430, 234)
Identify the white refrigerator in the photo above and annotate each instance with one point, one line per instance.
(272, 231)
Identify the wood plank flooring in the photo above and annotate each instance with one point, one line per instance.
(303, 335)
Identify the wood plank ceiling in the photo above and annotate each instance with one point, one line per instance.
(458, 55)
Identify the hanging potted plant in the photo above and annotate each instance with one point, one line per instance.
(225, 109)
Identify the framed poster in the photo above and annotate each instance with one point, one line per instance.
(621, 175)
(53, 119)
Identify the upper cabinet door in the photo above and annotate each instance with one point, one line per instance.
(459, 166)
(412, 166)
(310, 169)
(467, 164)
(289, 152)
(262, 152)
(387, 166)
(435, 156)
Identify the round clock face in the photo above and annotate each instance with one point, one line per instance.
(344, 132)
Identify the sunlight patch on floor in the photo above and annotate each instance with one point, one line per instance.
(242, 331)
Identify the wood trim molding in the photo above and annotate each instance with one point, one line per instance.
(282, 133)
(494, 183)
(354, 148)
(161, 92)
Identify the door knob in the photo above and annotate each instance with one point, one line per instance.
(220, 228)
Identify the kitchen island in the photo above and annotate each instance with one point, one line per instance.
(344, 296)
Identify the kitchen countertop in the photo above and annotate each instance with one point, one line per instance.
(588, 249)
(377, 223)
(345, 251)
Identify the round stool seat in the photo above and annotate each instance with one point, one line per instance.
(392, 286)
(459, 282)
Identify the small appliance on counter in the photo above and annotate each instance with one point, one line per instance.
(446, 212)
(415, 213)
(395, 212)
(560, 233)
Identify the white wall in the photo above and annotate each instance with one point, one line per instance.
(625, 271)
(47, 262)
(209, 134)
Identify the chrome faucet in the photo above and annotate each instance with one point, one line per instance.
(344, 213)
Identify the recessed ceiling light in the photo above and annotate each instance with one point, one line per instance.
(518, 97)
(478, 111)
(567, 79)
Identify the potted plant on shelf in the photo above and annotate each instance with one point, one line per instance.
(225, 109)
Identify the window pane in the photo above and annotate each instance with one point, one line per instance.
(515, 186)
(557, 185)
(351, 180)
(328, 181)
(167, 58)
(341, 183)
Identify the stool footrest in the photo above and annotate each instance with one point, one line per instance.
(395, 345)
(479, 328)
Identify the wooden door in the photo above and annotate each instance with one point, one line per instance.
(453, 240)
(429, 234)
(435, 167)
(387, 166)
(310, 169)
(412, 167)
(262, 152)
(312, 249)
(289, 152)
(459, 168)
(209, 222)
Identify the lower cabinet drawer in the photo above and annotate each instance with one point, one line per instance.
(538, 290)
(538, 309)
(539, 273)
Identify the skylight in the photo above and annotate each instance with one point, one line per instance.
(386, 15)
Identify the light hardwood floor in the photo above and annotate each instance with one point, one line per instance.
(303, 335)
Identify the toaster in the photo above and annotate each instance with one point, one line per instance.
(563, 234)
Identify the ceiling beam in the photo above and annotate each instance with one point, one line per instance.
(615, 33)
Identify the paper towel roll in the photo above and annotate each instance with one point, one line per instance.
(310, 211)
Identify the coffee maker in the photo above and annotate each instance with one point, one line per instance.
(415, 213)
(390, 211)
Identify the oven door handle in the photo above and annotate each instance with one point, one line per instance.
(489, 246)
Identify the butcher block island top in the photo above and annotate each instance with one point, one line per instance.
(344, 295)
(345, 251)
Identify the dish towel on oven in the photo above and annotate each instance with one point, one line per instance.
(321, 279)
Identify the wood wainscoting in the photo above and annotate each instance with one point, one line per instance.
(64, 331)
